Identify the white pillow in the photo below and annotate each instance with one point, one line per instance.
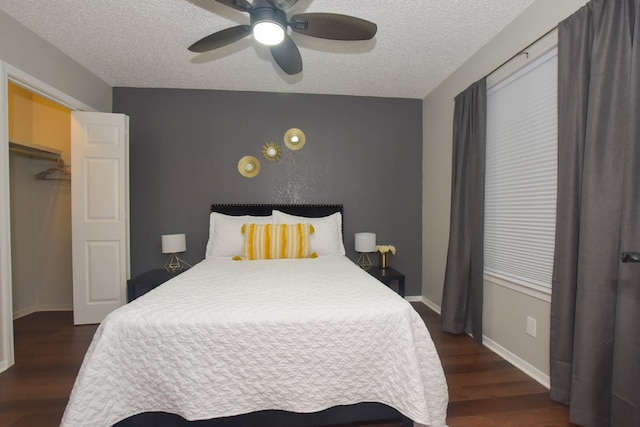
(327, 237)
(225, 234)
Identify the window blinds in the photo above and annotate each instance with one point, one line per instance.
(521, 173)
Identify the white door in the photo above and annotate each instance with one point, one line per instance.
(99, 213)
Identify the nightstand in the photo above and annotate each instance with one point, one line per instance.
(143, 283)
(388, 275)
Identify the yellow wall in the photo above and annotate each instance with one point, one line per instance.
(40, 209)
(34, 119)
(20, 115)
(27, 52)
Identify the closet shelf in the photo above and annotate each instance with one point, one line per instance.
(35, 150)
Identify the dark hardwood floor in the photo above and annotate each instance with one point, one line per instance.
(48, 352)
(484, 389)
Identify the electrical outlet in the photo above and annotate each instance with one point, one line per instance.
(531, 326)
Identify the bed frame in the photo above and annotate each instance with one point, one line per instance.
(347, 414)
(265, 209)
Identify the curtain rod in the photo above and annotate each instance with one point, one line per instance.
(523, 50)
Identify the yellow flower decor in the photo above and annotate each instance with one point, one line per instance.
(386, 248)
(384, 251)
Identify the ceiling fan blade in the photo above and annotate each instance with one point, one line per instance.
(287, 56)
(283, 4)
(333, 26)
(221, 38)
(241, 5)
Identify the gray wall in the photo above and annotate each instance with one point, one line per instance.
(365, 153)
(23, 49)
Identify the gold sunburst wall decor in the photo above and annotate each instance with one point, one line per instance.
(294, 139)
(271, 151)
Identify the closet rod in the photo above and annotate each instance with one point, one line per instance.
(32, 153)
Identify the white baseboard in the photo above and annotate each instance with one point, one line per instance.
(413, 298)
(34, 308)
(54, 307)
(433, 306)
(23, 312)
(517, 361)
(3, 366)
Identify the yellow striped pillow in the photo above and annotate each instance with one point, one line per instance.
(274, 241)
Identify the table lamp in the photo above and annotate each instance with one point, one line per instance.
(365, 243)
(173, 244)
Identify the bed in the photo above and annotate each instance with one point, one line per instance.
(267, 342)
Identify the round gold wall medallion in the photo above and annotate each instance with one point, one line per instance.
(294, 138)
(249, 166)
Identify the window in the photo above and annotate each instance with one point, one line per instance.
(521, 174)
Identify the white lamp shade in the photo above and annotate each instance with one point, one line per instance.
(365, 242)
(174, 243)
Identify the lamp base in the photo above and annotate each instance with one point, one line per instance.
(175, 264)
(363, 261)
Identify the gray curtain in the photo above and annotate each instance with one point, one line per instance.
(595, 308)
(462, 297)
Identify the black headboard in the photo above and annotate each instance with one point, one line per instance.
(311, 211)
(265, 209)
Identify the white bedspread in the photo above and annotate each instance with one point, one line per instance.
(231, 337)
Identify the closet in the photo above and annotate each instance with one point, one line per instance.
(40, 191)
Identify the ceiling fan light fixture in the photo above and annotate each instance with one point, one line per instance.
(269, 33)
(269, 25)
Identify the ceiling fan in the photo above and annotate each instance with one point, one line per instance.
(269, 23)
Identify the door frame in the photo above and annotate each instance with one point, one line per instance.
(8, 73)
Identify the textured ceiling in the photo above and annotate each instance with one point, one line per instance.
(143, 43)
